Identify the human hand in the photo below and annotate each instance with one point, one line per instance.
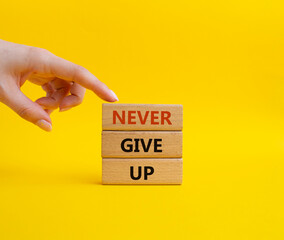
(63, 81)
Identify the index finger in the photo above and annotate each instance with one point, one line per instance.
(72, 72)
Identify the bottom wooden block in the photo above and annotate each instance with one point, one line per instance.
(142, 171)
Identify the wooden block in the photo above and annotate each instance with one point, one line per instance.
(142, 171)
(141, 144)
(142, 117)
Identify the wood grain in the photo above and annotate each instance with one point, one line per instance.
(142, 117)
(158, 171)
(132, 144)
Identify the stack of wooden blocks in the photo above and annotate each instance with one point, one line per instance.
(142, 144)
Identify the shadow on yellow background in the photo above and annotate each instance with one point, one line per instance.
(223, 60)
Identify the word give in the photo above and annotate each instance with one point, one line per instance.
(135, 147)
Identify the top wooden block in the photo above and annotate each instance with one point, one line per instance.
(142, 117)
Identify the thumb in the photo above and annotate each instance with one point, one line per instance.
(28, 109)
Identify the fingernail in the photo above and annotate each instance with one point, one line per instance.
(46, 126)
(114, 95)
(64, 109)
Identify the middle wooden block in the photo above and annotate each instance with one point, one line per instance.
(142, 144)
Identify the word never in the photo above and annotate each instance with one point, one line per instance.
(136, 146)
(146, 172)
(155, 117)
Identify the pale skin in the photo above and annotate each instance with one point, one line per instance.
(64, 82)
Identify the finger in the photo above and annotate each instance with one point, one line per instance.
(48, 111)
(27, 109)
(48, 89)
(75, 99)
(69, 71)
(60, 89)
(52, 102)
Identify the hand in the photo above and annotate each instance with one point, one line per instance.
(63, 81)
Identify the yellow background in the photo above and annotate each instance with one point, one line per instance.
(223, 60)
